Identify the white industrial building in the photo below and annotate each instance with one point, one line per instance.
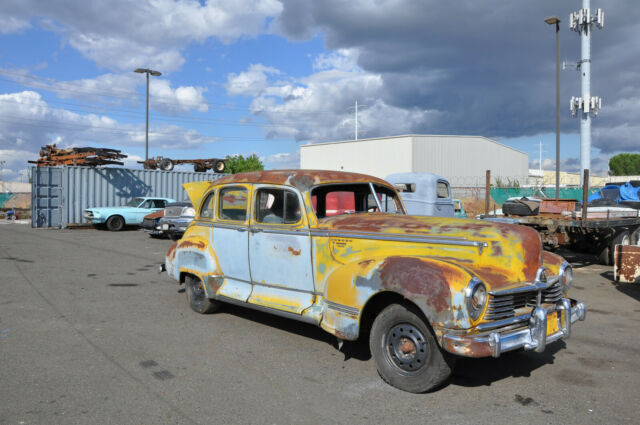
(463, 160)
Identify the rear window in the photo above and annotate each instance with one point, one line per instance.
(443, 190)
(332, 200)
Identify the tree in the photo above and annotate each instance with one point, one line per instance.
(240, 164)
(625, 164)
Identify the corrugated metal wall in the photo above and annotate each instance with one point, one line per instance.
(78, 188)
(463, 160)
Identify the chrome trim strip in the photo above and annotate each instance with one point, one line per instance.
(277, 231)
(350, 235)
(397, 238)
(269, 310)
(342, 308)
(504, 322)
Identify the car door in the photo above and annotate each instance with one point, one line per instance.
(230, 240)
(280, 250)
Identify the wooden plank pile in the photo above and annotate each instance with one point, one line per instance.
(51, 155)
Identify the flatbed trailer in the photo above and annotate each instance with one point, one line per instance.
(596, 230)
(199, 165)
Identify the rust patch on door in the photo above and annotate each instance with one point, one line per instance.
(294, 251)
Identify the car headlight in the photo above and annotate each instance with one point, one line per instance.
(189, 212)
(566, 277)
(475, 297)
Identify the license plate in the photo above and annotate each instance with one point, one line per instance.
(165, 227)
(552, 323)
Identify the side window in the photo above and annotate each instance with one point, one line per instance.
(207, 207)
(443, 190)
(232, 204)
(158, 203)
(277, 206)
(147, 204)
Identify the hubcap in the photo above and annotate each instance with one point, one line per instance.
(406, 348)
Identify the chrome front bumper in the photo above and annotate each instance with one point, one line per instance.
(533, 337)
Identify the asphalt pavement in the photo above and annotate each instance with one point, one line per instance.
(90, 333)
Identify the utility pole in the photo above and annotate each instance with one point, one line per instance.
(356, 119)
(155, 74)
(582, 22)
(555, 20)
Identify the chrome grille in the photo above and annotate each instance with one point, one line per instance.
(504, 306)
(173, 211)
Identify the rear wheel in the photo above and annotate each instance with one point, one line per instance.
(406, 353)
(115, 223)
(197, 298)
(219, 167)
(607, 254)
(166, 164)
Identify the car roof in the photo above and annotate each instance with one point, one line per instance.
(300, 179)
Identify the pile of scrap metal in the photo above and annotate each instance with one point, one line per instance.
(50, 155)
(199, 165)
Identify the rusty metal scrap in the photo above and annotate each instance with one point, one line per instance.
(627, 263)
(51, 155)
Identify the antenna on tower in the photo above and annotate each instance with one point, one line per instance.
(582, 22)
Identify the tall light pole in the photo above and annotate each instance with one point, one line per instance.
(155, 74)
(555, 20)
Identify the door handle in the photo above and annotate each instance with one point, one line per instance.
(255, 230)
(241, 229)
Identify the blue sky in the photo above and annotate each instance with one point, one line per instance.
(265, 76)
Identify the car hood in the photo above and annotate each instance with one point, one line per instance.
(510, 251)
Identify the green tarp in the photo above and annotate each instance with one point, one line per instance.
(501, 194)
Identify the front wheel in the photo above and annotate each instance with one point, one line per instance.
(406, 353)
(115, 223)
(197, 298)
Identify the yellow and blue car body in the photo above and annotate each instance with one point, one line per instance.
(266, 240)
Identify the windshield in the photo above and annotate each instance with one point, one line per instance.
(134, 202)
(337, 199)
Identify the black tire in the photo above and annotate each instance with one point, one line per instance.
(406, 353)
(166, 164)
(518, 208)
(607, 254)
(197, 298)
(115, 223)
(174, 236)
(219, 167)
(635, 236)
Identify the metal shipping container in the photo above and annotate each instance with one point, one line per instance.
(60, 194)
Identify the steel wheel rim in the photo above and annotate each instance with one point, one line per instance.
(197, 291)
(116, 222)
(406, 348)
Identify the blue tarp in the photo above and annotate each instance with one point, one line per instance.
(623, 192)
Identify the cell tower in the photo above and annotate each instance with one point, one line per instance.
(582, 22)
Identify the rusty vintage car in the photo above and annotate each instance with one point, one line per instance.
(423, 290)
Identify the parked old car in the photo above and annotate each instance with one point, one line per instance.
(423, 290)
(131, 213)
(150, 224)
(177, 217)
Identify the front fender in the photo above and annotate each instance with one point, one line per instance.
(435, 286)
